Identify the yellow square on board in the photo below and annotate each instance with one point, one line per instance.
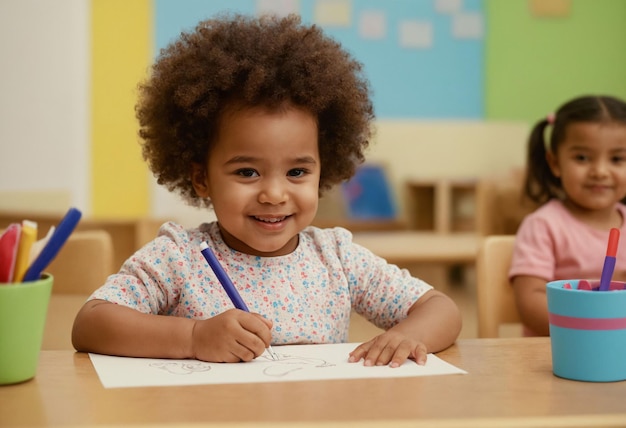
(333, 13)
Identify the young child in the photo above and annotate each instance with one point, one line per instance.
(256, 118)
(579, 175)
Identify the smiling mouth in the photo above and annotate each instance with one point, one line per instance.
(597, 187)
(271, 219)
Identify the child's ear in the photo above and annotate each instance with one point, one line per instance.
(553, 163)
(199, 180)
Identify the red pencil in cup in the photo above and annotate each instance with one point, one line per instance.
(609, 261)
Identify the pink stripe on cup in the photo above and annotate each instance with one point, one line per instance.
(587, 323)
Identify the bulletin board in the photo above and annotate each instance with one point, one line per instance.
(424, 59)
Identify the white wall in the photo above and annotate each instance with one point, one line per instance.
(44, 101)
(171, 207)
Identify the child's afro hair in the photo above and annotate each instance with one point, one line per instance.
(267, 62)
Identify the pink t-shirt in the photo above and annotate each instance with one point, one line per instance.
(552, 244)
(308, 294)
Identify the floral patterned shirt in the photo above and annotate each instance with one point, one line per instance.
(307, 294)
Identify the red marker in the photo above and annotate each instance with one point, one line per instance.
(609, 261)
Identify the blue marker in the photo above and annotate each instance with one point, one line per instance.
(228, 285)
(54, 244)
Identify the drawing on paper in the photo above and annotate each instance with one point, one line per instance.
(182, 367)
(290, 363)
(285, 364)
(295, 363)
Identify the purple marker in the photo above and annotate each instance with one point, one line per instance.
(609, 261)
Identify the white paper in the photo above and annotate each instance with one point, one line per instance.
(295, 363)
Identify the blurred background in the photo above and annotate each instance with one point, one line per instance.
(456, 86)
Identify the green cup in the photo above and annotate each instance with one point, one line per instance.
(23, 308)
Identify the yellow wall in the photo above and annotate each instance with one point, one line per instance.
(121, 53)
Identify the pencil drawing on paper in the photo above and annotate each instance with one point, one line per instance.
(290, 363)
(285, 364)
(294, 362)
(182, 367)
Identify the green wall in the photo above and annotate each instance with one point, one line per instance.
(535, 64)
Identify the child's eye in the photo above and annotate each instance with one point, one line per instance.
(247, 172)
(618, 159)
(581, 157)
(297, 172)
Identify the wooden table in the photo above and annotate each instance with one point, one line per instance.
(62, 310)
(510, 383)
(429, 255)
(413, 247)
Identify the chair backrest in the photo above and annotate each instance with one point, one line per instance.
(83, 263)
(495, 299)
(501, 205)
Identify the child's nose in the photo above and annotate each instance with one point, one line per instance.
(600, 168)
(273, 192)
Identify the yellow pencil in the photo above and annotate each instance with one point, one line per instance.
(27, 238)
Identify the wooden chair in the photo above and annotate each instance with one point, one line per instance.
(501, 205)
(82, 265)
(495, 299)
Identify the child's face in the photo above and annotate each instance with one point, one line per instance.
(263, 179)
(591, 163)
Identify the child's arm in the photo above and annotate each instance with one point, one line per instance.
(532, 303)
(107, 328)
(433, 324)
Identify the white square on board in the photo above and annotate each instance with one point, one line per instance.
(416, 34)
(278, 7)
(372, 25)
(448, 6)
(467, 26)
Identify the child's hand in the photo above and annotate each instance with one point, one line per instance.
(231, 336)
(390, 348)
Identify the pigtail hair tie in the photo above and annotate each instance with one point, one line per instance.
(550, 118)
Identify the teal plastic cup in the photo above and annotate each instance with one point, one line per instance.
(23, 308)
(587, 331)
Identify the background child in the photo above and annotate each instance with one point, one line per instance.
(255, 118)
(579, 174)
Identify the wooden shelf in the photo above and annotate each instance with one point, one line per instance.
(442, 205)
